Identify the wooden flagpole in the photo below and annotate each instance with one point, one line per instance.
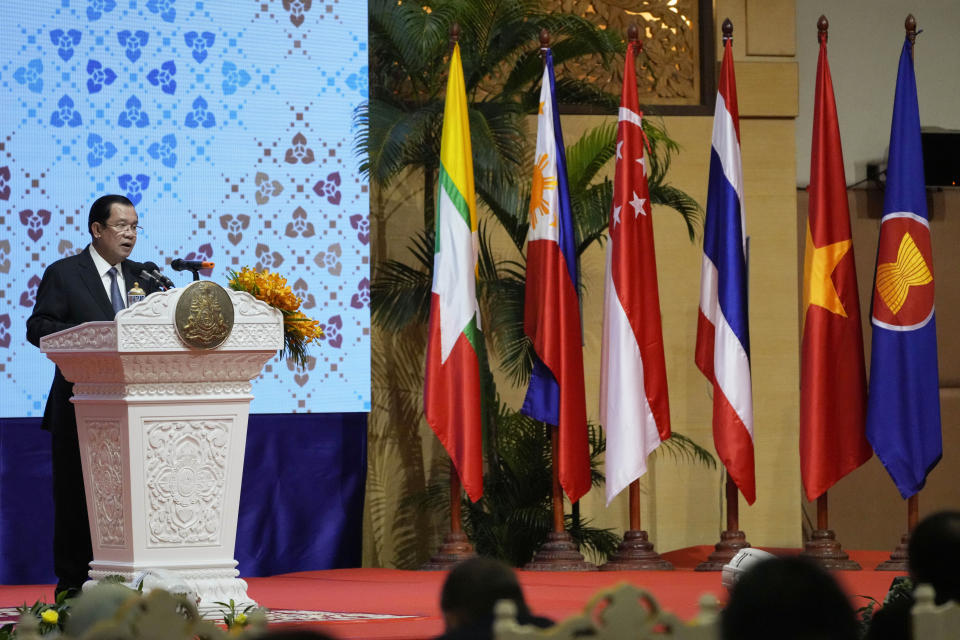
(635, 552)
(456, 547)
(898, 558)
(731, 539)
(559, 552)
(822, 547)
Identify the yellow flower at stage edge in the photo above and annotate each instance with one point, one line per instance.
(272, 288)
(50, 616)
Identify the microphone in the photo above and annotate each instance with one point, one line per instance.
(152, 271)
(145, 275)
(190, 265)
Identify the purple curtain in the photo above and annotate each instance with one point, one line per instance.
(301, 504)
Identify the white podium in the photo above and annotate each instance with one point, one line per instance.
(162, 428)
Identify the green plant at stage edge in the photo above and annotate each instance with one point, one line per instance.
(900, 590)
(236, 620)
(113, 610)
(515, 514)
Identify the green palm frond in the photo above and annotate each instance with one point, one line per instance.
(591, 210)
(508, 201)
(392, 138)
(571, 36)
(400, 293)
(406, 42)
(682, 203)
(682, 448)
(587, 156)
(576, 92)
(502, 304)
(598, 543)
(496, 145)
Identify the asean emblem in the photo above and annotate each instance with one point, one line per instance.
(204, 315)
(903, 294)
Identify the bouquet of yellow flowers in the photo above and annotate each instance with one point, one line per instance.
(272, 288)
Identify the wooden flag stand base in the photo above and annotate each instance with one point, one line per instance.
(635, 552)
(898, 559)
(456, 547)
(823, 548)
(731, 540)
(559, 552)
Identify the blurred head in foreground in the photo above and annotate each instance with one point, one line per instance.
(788, 599)
(934, 554)
(473, 587)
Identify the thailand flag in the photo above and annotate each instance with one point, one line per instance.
(551, 316)
(723, 340)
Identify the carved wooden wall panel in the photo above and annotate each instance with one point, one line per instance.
(669, 67)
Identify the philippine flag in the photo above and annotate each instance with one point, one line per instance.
(723, 340)
(551, 316)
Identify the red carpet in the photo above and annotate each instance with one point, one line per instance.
(416, 594)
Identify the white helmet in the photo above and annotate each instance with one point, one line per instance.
(745, 559)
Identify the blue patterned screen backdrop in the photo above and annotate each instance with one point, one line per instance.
(229, 124)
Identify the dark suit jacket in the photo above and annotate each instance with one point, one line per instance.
(71, 293)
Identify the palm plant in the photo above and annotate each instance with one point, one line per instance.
(401, 124)
(512, 519)
(400, 132)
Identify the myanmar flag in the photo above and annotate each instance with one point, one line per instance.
(451, 393)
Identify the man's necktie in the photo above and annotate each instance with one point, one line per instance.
(116, 298)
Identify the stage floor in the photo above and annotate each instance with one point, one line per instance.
(388, 603)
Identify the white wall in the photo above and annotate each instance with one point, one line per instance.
(864, 47)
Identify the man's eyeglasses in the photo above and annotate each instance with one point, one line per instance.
(123, 227)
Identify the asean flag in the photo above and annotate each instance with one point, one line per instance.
(903, 407)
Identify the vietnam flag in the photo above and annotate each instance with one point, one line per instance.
(634, 408)
(833, 387)
(451, 391)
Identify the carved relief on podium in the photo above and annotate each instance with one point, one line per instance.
(185, 470)
(105, 453)
(94, 336)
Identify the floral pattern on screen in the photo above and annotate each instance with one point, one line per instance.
(229, 124)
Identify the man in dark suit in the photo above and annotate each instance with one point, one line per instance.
(90, 285)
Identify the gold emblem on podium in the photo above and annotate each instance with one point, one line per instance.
(204, 315)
